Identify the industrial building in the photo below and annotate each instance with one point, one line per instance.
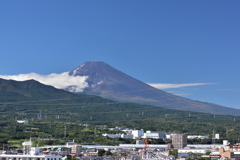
(155, 134)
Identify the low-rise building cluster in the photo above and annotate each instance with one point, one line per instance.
(181, 151)
(138, 134)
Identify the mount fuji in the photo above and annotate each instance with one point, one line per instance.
(108, 82)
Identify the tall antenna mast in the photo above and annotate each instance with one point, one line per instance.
(145, 150)
(213, 138)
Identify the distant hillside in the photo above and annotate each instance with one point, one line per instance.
(27, 99)
(49, 110)
(11, 91)
(108, 82)
(31, 90)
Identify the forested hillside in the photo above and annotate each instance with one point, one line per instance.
(49, 110)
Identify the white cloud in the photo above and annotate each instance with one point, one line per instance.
(168, 86)
(60, 81)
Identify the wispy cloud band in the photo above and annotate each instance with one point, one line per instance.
(168, 86)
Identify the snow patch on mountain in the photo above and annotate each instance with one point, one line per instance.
(75, 70)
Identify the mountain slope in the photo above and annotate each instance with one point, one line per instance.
(108, 82)
(33, 91)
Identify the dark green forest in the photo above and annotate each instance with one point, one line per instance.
(49, 110)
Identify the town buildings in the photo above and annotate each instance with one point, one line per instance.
(223, 154)
(77, 149)
(29, 153)
(179, 141)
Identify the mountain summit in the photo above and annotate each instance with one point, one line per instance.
(108, 82)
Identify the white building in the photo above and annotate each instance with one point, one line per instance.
(71, 143)
(169, 135)
(225, 142)
(128, 135)
(155, 134)
(201, 151)
(112, 135)
(137, 134)
(217, 136)
(22, 121)
(199, 137)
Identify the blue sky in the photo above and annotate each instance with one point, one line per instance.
(158, 41)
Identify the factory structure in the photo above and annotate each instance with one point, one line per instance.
(139, 134)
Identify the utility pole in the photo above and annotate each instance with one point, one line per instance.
(65, 131)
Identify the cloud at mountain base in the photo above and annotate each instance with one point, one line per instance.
(60, 81)
(78, 83)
